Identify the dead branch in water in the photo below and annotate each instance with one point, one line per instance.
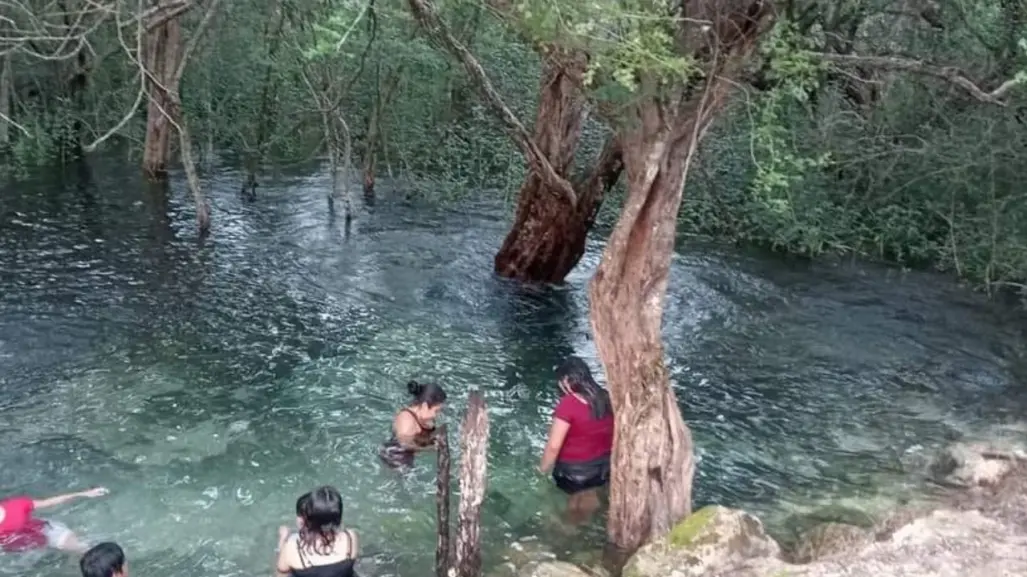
(474, 440)
(442, 501)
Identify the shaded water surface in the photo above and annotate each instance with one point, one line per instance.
(208, 385)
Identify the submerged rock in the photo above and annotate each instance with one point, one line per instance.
(799, 524)
(828, 539)
(973, 465)
(523, 553)
(552, 569)
(710, 539)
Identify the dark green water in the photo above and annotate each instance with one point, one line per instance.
(208, 385)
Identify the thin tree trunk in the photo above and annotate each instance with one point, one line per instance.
(381, 102)
(6, 78)
(166, 49)
(268, 98)
(192, 176)
(653, 466)
(474, 440)
(163, 54)
(442, 481)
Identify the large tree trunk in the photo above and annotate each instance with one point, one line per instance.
(651, 485)
(652, 469)
(547, 236)
(163, 54)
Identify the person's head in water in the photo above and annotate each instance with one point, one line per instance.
(428, 399)
(104, 560)
(575, 377)
(319, 517)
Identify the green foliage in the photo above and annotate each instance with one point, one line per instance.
(883, 164)
(916, 173)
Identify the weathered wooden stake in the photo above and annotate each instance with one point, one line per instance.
(442, 502)
(474, 440)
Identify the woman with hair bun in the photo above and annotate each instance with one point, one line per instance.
(413, 428)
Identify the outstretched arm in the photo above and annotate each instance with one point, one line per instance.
(67, 498)
(557, 435)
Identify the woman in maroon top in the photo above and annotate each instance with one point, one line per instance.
(580, 439)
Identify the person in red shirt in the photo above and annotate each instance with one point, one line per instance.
(21, 531)
(580, 439)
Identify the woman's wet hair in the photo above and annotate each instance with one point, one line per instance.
(580, 379)
(321, 512)
(427, 393)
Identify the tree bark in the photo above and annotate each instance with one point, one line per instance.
(162, 58)
(653, 466)
(548, 234)
(429, 21)
(547, 238)
(442, 480)
(474, 440)
(6, 80)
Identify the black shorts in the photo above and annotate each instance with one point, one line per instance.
(577, 477)
(395, 456)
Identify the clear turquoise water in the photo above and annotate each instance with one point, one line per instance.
(209, 384)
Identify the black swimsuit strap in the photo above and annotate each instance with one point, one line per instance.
(419, 423)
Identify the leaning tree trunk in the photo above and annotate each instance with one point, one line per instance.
(548, 234)
(653, 466)
(163, 55)
(546, 228)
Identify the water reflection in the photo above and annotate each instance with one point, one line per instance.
(210, 384)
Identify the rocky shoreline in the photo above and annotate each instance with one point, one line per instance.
(974, 525)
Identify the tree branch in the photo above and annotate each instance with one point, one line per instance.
(950, 74)
(430, 22)
(194, 41)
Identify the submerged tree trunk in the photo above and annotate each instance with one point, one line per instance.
(163, 55)
(547, 237)
(442, 479)
(6, 80)
(374, 129)
(268, 115)
(652, 469)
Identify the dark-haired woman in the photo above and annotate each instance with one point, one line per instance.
(580, 439)
(322, 547)
(413, 428)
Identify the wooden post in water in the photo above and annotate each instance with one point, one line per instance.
(442, 478)
(474, 440)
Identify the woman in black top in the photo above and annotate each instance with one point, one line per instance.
(413, 428)
(322, 547)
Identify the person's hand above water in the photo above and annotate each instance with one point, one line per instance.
(95, 492)
(69, 497)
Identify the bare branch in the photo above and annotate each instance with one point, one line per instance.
(194, 40)
(11, 121)
(430, 22)
(950, 74)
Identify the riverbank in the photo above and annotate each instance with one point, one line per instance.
(973, 525)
